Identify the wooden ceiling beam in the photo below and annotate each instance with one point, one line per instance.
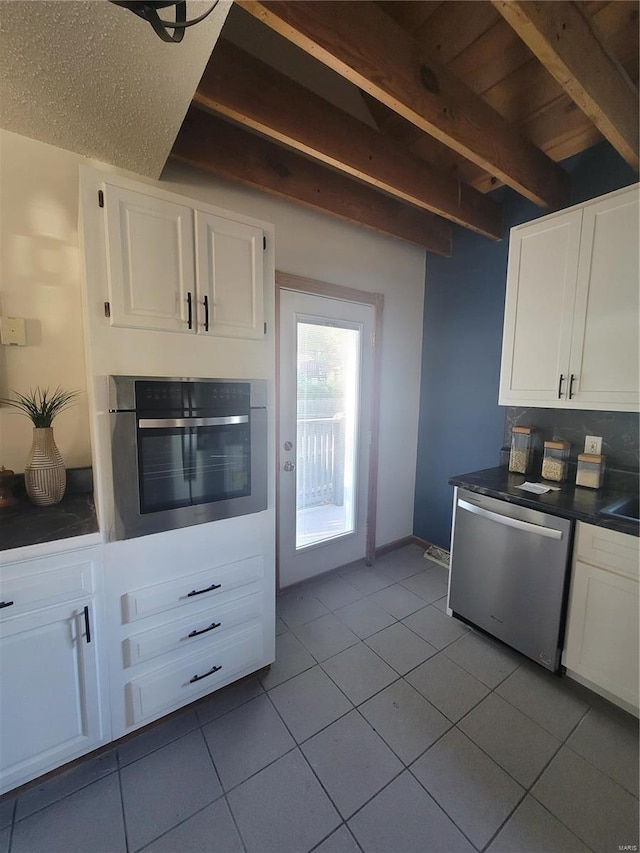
(252, 93)
(215, 145)
(564, 41)
(360, 42)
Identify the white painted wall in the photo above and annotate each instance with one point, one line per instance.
(317, 246)
(40, 280)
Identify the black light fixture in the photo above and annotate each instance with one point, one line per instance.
(148, 11)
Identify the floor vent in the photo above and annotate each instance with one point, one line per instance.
(438, 555)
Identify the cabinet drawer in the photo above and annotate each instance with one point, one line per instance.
(188, 588)
(191, 631)
(194, 675)
(616, 552)
(40, 589)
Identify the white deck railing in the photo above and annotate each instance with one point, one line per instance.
(320, 463)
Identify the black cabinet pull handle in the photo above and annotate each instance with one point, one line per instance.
(5, 604)
(206, 313)
(200, 591)
(200, 677)
(189, 312)
(204, 630)
(560, 386)
(87, 624)
(571, 381)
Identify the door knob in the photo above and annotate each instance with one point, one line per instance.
(289, 466)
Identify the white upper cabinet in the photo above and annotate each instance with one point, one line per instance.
(174, 268)
(606, 333)
(571, 314)
(541, 287)
(229, 275)
(150, 260)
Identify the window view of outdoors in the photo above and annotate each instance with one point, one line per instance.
(328, 372)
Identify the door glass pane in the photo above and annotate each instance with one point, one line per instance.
(328, 373)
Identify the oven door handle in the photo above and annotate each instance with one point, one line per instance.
(167, 423)
(549, 532)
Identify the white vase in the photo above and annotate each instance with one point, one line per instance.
(45, 477)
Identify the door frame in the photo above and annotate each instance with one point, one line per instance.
(300, 284)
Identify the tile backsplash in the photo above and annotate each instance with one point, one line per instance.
(620, 431)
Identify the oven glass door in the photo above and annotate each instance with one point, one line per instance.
(188, 461)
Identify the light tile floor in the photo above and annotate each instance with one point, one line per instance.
(383, 727)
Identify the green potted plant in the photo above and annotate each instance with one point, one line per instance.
(45, 477)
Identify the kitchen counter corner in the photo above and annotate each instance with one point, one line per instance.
(570, 501)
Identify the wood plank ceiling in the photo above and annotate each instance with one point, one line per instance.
(463, 95)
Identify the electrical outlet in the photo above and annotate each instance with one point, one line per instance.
(593, 444)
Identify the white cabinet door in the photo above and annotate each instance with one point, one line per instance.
(601, 648)
(541, 282)
(229, 276)
(604, 351)
(602, 635)
(49, 692)
(150, 260)
(571, 326)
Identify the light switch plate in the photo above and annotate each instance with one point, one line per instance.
(13, 331)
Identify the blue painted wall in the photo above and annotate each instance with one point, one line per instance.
(461, 426)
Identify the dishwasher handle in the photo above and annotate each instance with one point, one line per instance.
(549, 532)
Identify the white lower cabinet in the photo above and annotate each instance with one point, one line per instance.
(601, 648)
(98, 641)
(187, 677)
(185, 617)
(52, 701)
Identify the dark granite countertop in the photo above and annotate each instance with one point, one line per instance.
(27, 524)
(570, 501)
(75, 515)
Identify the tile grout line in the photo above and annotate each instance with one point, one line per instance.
(12, 825)
(122, 808)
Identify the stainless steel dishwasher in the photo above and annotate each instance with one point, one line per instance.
(509, 573)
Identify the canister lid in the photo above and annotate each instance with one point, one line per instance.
(557, 445)
(591, 457)
(525, 430)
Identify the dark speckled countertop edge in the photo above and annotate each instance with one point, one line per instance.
(27, 524)
(574, 502)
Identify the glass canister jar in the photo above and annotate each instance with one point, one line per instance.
(555, 459)
(521, 449)
(590, 471)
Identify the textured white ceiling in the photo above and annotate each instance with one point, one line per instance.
(93, 78)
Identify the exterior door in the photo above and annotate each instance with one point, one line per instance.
(326, 387)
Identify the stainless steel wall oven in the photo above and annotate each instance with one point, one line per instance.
(186, 451)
